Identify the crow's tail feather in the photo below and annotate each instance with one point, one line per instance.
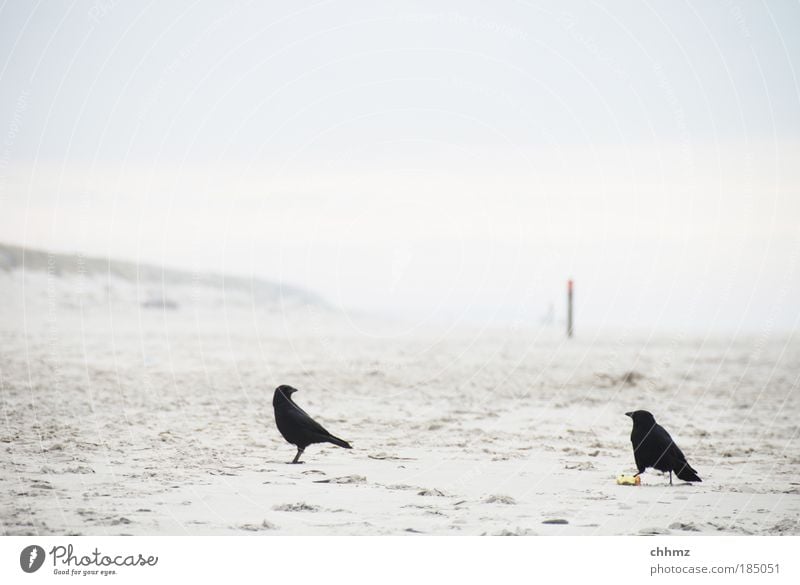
(686, 473)
(338, 441)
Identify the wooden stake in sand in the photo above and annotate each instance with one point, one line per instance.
(569, 308)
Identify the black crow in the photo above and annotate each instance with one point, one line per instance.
(653, 447)
(296, 426)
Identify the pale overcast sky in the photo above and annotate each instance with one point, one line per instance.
(437, 160)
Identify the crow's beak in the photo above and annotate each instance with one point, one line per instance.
(630, 414)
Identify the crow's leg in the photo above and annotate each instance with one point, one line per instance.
(297, 457)
(670, 477)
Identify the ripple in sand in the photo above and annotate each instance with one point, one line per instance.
(257, 527)
(516, 532)
(432, 492)
(345, 479)
(786, 526)
(402, 486)
(581, 466)
(386, 456)
(685, 526)
(500, 499)
(653, 531)
(297, 507)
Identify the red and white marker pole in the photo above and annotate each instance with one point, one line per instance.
(569, 308)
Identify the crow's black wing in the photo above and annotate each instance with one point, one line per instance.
(663, 448)
(649, 445)
(300, 418)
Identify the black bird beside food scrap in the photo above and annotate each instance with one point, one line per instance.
(653, 447)
(296, 426)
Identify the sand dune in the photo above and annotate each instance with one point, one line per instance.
(76, 280)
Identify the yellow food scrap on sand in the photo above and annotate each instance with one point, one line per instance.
(629, 480)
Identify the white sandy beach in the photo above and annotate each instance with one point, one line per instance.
(123, 420)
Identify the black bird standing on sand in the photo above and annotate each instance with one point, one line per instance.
(653, 447)
(296, 426)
